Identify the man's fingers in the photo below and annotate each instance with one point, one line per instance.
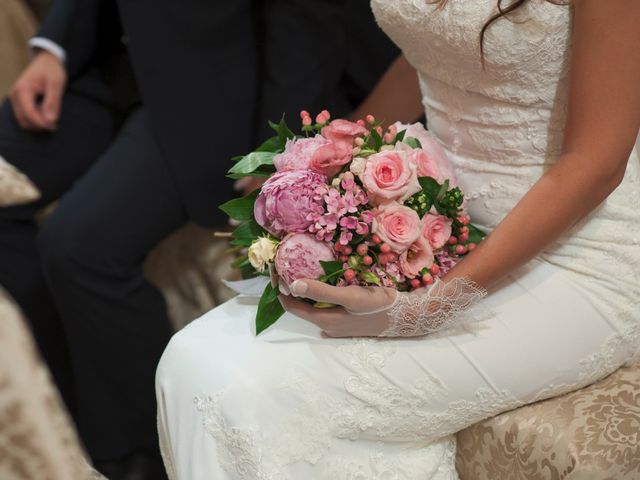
(27, 113)
(52, 102)
(321, 292)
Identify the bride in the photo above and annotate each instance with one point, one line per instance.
(538, 106)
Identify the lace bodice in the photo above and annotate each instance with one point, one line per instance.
(503, 125)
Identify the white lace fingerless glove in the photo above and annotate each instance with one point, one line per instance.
(426, 310)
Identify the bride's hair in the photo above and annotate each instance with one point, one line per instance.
(502, 12)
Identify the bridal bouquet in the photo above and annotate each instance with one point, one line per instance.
(348, 204)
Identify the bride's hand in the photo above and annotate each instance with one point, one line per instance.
(383, 312)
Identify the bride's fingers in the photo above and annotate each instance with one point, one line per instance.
(323, 318)
(321, 292)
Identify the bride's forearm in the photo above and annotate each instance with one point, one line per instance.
(562, 197)
(396, 97)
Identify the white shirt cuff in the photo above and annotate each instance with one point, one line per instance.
(50, 46)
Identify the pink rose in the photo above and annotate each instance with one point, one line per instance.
(330, 158)
(389, 176)
(288, 203)
(343, 131)
(297, 153)
(418, 256)
(436, 229)
(396, 225)
(299, 256)
(425, 165)
(433, 151)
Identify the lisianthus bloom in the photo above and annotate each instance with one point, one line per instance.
(417, 257)
(433, 153)
(299, 256)
(389, 176)
(298, 152)
(341, 130)
(288, 203)
(261, 252)
(396, 225)
(436, 229)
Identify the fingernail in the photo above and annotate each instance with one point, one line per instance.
(299, 287)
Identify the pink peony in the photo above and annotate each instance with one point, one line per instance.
(343, 131)
(287, 202)
(331, 157)
(418, 256)
(389, 176)
(299, 256)
(433, 151)
(297, 153)
(397, 225)
(436, 229)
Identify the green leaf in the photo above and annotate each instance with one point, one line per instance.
(331, 267)
(246, 233)
(377, 139)
(282, 130)
(262, 171)
(269, 309)
(240, 262)
(399, 136)
(370, 277)
(241, 208)
(251, 162)
(413, 142)
(475, 234)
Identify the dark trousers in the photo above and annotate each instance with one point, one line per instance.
(78, 277)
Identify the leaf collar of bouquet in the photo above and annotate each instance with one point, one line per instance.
(349, 203)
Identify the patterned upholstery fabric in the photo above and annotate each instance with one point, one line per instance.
(15, 187)
(37, 440)
(590, 434)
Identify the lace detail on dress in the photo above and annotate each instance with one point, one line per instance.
(440, 307)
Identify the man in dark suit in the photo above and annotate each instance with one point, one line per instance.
(127, 115)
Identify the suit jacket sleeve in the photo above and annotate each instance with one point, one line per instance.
(73, 24)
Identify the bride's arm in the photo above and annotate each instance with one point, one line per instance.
(601, 128)
(602, 125)
(396, 96)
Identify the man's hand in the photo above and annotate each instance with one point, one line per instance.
(36, 96)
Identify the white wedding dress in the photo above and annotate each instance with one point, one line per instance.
(290, 404)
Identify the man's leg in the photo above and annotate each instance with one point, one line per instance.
(53, 161)
(93, 248)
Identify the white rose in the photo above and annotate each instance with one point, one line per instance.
(357, 166)
(261, 252)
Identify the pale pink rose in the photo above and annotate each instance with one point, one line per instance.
(330, 158)
(389, 176)
(432, 149)
(297, 153)
(396, 225)
(436, 230)
(341, 130)
(418, 256)
(299, 256)
(287, 202)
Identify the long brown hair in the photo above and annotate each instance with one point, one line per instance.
(502, 12)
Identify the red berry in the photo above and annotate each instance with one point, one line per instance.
(464, 230)
(343, 258)
(385, 248)
(463, 237)
(362, 249)
(471, 246)
(427, 279)
(376, 239)
(461, 249)
(435, 269)
(367, 260)
(347, 250)
(349, 275)
(415, 283)
(453, 240)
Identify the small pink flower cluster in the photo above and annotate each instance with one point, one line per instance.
(352, 192)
